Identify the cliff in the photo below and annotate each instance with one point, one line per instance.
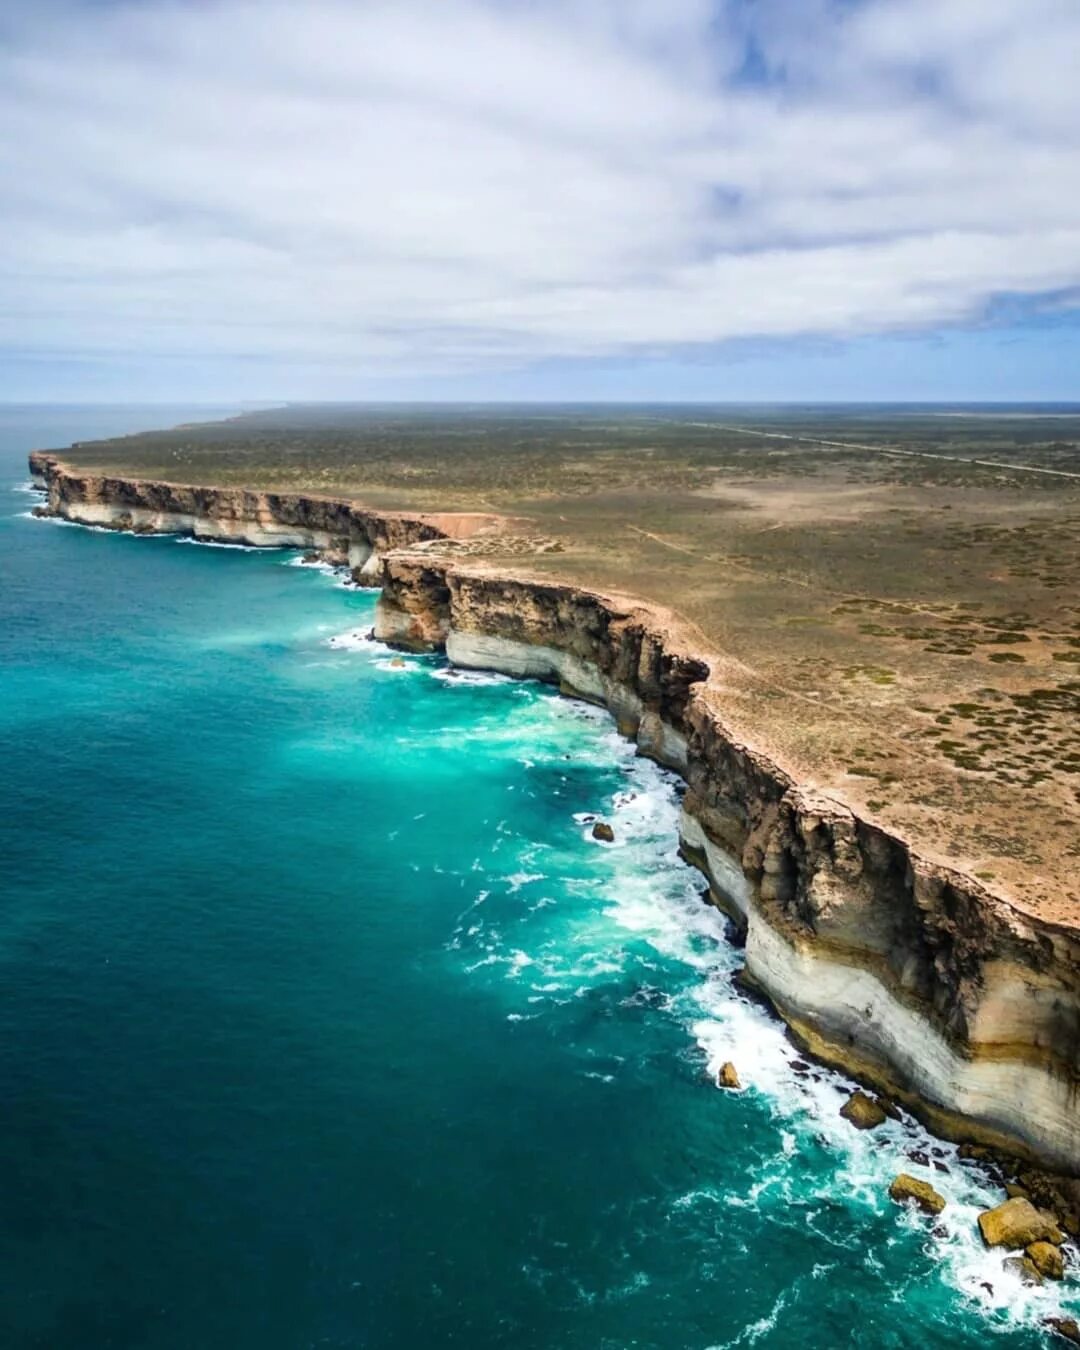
(914, 977)
(911, 975)
(342, 532)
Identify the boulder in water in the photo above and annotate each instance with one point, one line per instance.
(1015, 1224)
(1065, 1326)
(602, 830)
(728, 1077)
(863, 1112)
(1025, 1268)
(1047, 1260)
(906, 1187)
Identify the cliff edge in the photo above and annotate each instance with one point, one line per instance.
(916, 977)
(913, 976)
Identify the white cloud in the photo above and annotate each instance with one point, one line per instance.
(433, 185)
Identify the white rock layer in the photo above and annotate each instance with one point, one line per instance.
(849, 1005)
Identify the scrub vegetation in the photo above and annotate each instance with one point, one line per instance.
(895, 594)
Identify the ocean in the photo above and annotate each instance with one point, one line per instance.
(327, 1024)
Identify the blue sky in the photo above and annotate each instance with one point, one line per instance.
(730, 199)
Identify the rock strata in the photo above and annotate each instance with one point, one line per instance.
(953, 1000)
(333, 530)
(911, 975)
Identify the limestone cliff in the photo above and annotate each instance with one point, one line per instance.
(911, 975)
(341, 531)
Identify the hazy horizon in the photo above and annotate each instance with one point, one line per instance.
(1068, 406)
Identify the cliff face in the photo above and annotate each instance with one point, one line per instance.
(908, 974)
(341, 531)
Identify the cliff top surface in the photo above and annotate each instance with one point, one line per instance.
(895, 594)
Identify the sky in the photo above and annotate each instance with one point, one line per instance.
(556, 199)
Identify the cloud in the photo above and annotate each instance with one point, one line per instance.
(455, 185)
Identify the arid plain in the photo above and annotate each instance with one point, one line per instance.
(890, 597)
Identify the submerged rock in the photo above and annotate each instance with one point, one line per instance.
(602, 830)
(1065, 1326)
(1015, 1224)
(906, 1187)
(863, 1112)
(1047, 1260)
(727, 1077)
(1025, 1268)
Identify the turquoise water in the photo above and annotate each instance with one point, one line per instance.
(325, 1023)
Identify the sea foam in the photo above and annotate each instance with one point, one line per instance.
(649, 892)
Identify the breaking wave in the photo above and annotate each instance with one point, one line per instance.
(556, 931)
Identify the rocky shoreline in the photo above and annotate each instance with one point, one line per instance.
(913, 977)
(340, 531)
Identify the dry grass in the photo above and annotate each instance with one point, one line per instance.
(904, 629)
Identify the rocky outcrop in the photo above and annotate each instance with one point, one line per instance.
(339, 531)
(912, 976)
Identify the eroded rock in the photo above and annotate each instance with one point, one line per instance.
(863, 1111)
(1025, 1268)
(1016, 1224)
(1047, 1260)
(728, 1077)
(888, 1106)
(603, 831)
(906, 1187)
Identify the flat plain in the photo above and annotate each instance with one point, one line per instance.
(892, 594)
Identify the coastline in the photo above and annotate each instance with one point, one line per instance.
(344, 533)
(907, 974)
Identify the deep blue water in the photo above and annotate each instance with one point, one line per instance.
(325, 1023)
